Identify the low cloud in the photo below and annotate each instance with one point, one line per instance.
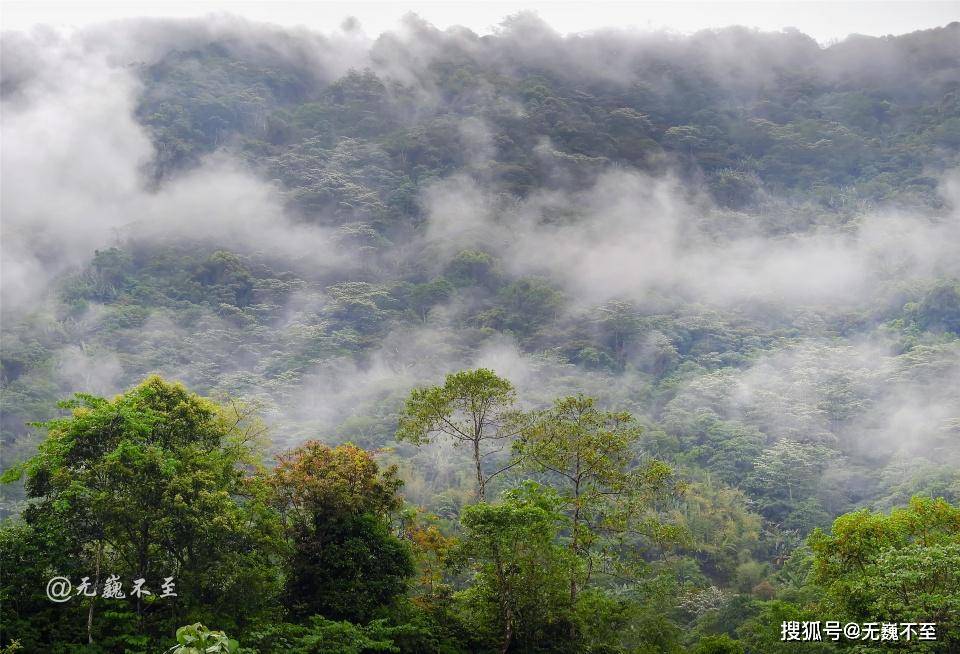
(864, 395)
(631, 235)
(73, 166)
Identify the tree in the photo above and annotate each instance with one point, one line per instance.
(27, 553)
(336, 503)
(939, 310)
(733, 189)
(721, 644)
(620, 324)
(519, 597)
(722, 529)
(631, 132)
(785, 473)
(901, 567)
(685, 137)
(762, 633)
(424, 297)
(154, 484)
(358, 304)
(528, 304)
(319, 635)
(432, 549)
(591, 457)
(473, 408)
(347, 567)
(228, 279)
(318, 479)
(473, 268)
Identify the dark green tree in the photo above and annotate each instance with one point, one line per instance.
(346, 562)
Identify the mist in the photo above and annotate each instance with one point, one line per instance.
(74, 164)
(69, 101)
(631, 235)
(79, 176)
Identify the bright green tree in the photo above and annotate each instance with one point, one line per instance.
(197, 639)
(519, 597)
(155, 484)
(897, 567)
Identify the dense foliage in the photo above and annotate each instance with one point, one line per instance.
(608, 343)
(318, 554)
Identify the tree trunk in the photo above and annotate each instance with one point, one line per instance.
(506, 614)
(507, 635)
(481, 490)
(574, 544)
(573, 550)
(96, 584)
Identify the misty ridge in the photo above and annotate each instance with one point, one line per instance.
(737, 231)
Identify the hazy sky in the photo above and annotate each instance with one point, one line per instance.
(825, 21)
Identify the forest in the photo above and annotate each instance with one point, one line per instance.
(435, 342)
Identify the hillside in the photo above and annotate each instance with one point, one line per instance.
(746, 240)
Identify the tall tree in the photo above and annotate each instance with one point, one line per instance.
(475, 408)
(902, 567)
(784, 482)
(592, 458)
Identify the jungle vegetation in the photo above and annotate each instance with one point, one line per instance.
(603, 344)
